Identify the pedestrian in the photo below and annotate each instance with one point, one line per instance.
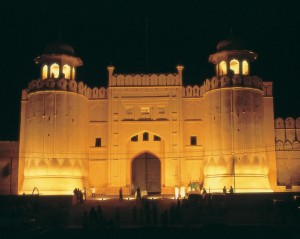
(121, 194)
(165, 218)
(80, 196)
(84, 193)
(134, 215)
(93, 217)
(85, 220)
(154, 214)
(93, 190)
(224, 190)
(138, 193)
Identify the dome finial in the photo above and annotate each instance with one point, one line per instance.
(59, 47)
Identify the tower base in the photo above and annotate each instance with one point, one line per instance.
(55, 185)
(240, 183)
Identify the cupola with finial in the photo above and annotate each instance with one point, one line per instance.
(58, 61)
(232, 57)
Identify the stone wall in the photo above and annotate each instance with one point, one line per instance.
(9, 167)
(287, 135)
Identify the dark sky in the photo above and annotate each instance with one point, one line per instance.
(114, 32)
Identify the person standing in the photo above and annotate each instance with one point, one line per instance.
(121, 194)
(84, 193)
(138, 193)
(224, 190)
(93, 190)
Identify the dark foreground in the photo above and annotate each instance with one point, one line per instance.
(207, 231)
(270, 215)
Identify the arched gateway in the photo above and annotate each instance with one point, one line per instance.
(146, 173)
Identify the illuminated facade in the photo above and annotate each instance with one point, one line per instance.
(287, 136)
(147, 130)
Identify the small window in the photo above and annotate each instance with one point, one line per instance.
(134, 138)
(193, 140)
(67, 71)
(145, 112)
(145, 136)
(245, 67)
(54, 70)
(73, 73)
(161, 113)
(98, 142)
(156, 138)
(45, 72)
(222, 68)
(129, 111)
(235, 66)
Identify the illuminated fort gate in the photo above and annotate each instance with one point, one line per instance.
(146, 173)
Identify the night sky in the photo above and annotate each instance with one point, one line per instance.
(114, 32)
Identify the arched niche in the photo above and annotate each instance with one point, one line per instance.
(222, 68)
(245, 67)
(45, 72)
(67, 71)
(54, 70)
(235, 66)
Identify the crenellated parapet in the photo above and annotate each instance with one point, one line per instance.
(287, 134)
(65, 85)
(234, 81)
(193, 91)
(172, 79)
(226, 81)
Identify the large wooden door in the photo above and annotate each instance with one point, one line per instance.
(146, 173)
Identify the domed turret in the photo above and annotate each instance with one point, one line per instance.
(233, 122)
(232, 57)
(231, 43)
(59, 47)
(56, 114)
(58, 61)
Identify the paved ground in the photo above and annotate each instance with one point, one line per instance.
(230, 216)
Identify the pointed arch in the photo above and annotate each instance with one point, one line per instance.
(45, 72)
(67, 71)
(287, 145)
(296, 145)
(235, 66)
(222, 68)
(279, 145)
(245, 67)
(54, 70)
(146, 173)
(73, 73)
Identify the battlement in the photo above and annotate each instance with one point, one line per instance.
(288, 123)
(64, 85)
(224, 82)
(236, 80)
(287, 134)
(172, 79)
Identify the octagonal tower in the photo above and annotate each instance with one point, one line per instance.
(53, 126)
(233, 122)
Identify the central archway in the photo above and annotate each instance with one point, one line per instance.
(146, 173)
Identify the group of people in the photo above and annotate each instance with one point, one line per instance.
(230, 190)
(194, 186)
(80, 195)
(138, 194)
(94, 218)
